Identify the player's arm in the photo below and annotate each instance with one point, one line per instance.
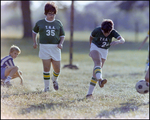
(20, 76)
(120, 40)
(34, 39)
(143, 42)
(91, 38)
(60, 45)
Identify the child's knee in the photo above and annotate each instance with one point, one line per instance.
(16, 68)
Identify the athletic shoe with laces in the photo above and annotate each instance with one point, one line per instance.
(55, 85)
(102, 82)
(46, 89)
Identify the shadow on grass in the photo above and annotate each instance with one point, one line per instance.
(123, 75)
(31, 93)
(52, 105)
(125, 107)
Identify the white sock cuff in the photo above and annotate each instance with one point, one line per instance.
(45, 72)
(97, 67)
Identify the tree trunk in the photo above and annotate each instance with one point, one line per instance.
(26, 18)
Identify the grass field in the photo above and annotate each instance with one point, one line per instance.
(118, 99)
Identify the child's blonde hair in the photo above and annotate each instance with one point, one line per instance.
(14, 48)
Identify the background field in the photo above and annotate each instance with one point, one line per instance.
(118, 99)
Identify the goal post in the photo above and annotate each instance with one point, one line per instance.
(71, 38)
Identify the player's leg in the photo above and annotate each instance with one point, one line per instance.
(102, 81)
(46, 73)
(147, 66)
(147, 75)
(147, 62)
(9, 72)
(97, 64)
(18, 74)
(96, 71)
(56, 72)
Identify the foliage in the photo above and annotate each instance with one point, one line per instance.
(130, 5)
(89, 17)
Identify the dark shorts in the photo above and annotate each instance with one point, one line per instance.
(3, 77)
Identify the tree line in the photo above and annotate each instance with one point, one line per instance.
(127, 15)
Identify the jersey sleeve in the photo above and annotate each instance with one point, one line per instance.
(94, 32)
(115, 34)
(36, 28)
(7, 62)
(62, 32)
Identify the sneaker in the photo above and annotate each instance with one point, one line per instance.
(8, 84)
(102, 82)
(89, 96)
(46, 89)
(55, 85)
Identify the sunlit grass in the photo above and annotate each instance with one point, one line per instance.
(118, 99)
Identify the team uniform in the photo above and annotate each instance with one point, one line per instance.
(102, 43)
(6, 62)
(49, 37)
(50, 33)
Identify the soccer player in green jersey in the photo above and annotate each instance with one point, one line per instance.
(51, 39)
(100, 41)
(147, 61)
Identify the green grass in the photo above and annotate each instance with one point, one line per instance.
(118, 99)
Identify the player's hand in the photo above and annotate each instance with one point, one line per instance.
(60, 46)
(34, 45)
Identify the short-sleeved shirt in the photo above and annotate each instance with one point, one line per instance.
(100, 40)
(7, 62)
(49, 31)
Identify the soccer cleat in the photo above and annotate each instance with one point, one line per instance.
(89, 96)
(102, 82)
(46, 89)
(55, 85)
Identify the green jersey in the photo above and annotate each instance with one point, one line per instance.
(49, 31)
(100, 40)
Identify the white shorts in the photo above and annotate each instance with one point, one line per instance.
(103, 52)
(49, 51)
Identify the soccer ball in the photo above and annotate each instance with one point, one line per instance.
(142, 87)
